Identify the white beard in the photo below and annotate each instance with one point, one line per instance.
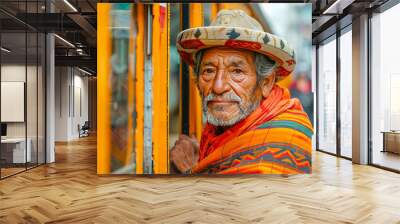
(244, 112)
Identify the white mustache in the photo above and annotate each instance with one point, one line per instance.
(231, 96)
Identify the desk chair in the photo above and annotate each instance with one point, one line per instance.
(84, 130)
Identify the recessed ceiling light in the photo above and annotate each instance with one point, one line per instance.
(5, 50)
(84, 71)
(65, 41)
(70, 5)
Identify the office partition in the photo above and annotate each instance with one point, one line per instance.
(22, 78)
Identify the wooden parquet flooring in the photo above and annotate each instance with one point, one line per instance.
(70, 191)
(8, 171)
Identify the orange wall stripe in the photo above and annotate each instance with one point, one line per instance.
(167, 89)
(139, 88)
(156, 86)
(160, 90)
(163, 92)
(214, 11)
(103, 90)
(195, 110)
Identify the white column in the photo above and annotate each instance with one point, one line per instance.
(360, 90)
(50, 99)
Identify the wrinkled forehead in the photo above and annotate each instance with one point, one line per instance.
(227, 55)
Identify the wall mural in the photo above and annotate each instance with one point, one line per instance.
(213, 88)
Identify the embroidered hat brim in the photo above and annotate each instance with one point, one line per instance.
(190, 41)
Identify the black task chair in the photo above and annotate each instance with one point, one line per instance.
(84, 130)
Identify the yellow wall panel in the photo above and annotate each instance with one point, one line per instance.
(103, 89)
(160, 90)
(139, 87)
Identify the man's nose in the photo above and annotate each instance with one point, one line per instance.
(220, 84)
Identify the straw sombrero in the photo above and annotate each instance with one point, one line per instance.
(234, 28)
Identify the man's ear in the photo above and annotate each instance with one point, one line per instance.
(267, 84)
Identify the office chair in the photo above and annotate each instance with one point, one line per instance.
(84, 130)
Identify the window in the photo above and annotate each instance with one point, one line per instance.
(385, 89)
(346, 94)
(327, 96)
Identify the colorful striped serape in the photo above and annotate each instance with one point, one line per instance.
(274, 139)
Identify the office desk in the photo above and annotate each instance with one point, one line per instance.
(391, 141)
(13, 150)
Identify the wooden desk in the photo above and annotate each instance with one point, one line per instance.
(391, 141)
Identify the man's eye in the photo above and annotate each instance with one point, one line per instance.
(208, 70)
(208, 73)
(237, 71)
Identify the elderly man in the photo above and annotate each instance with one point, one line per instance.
(253, 126)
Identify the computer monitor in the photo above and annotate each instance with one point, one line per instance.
(3, 129)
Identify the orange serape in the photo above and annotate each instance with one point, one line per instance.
(275, 138)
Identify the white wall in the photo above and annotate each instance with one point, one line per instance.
(61, 103)
(80, 103)
(13, 73)
(71, 94)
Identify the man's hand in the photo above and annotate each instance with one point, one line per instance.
(185, 153)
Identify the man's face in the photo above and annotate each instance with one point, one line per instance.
(228, 84)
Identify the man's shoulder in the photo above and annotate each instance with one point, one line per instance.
(290, 120)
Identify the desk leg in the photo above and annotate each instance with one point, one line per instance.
(384, 142)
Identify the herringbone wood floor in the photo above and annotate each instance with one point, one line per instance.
(69, 191)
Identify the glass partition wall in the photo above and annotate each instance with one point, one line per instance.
(334, 94)
(345, 61)
(334, 98)
(385, 90)
(327, 96)
(13, 110)
(22, 88)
